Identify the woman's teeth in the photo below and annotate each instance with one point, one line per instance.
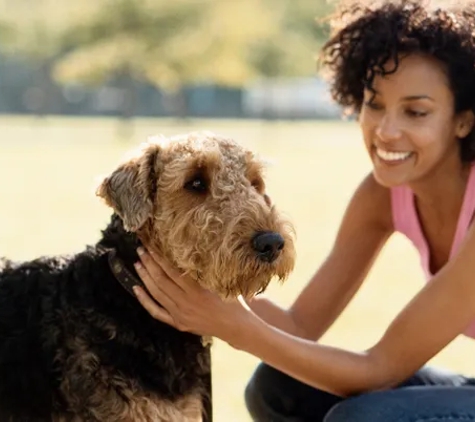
(392, 155)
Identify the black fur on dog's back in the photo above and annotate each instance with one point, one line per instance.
(49, 306)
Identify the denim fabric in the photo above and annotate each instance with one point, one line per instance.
(431, 395)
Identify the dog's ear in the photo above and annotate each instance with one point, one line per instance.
(131, 189)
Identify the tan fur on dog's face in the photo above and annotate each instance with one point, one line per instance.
(200, 199)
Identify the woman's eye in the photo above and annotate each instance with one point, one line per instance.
(416, 113)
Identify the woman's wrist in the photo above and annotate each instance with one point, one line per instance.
(241, 332)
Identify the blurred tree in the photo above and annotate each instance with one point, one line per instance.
(34, 29)
(168, 44)
(7, 34)
(172, 43)
(292, 49)
(133, 40)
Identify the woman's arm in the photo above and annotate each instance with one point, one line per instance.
(438, 314)
(365, 227)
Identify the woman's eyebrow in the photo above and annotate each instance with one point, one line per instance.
(417, 97)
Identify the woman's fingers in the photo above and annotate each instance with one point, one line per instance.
(155, 288)
(170, 271)
(156, 277)
(152, 308)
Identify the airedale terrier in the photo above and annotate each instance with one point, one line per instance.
(76, 345)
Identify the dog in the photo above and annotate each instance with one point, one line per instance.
(76, 345)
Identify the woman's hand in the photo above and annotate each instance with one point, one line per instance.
(186, 305)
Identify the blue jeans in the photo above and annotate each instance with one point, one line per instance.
(431, 395)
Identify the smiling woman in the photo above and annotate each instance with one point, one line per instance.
(407, 69)
(408, 121)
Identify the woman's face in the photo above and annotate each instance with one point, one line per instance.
(409, 127)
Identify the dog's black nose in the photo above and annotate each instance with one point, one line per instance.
(268, 245)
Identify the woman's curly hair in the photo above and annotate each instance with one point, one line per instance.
(365, 35)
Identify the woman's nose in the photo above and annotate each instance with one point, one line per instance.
(388, 128)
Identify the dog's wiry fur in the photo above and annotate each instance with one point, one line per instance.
(232, 209)
(76, 346)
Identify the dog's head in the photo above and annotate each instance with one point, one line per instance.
(200, 199)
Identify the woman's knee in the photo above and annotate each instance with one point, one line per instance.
(274, 396)
(253, 391)
(264, 391)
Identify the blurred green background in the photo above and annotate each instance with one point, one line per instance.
(83, 82)
(181, 58)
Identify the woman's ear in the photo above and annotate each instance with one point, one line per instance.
(465, 124)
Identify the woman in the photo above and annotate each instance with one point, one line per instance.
(408, 71)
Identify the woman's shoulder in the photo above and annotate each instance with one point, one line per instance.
(372, 201)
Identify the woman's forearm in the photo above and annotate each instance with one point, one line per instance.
(320, 366)
(274, 315)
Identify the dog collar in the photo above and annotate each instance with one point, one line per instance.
(122, 274)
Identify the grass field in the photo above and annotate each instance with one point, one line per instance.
(47, 175)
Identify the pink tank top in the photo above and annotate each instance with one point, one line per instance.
(406, 221)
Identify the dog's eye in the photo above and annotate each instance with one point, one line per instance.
(197, 184)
